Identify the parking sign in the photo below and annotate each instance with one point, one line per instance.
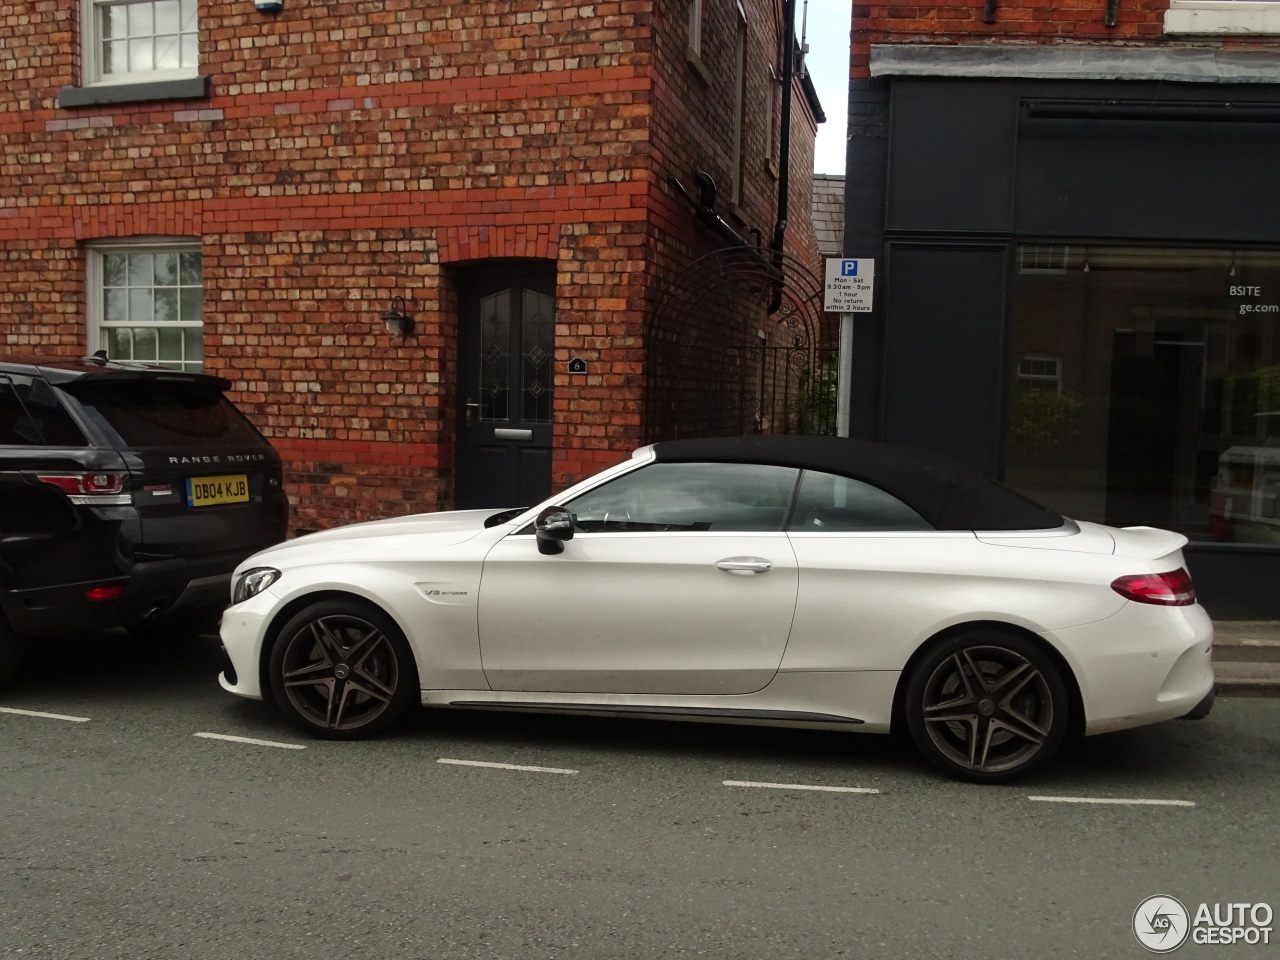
(849, 285)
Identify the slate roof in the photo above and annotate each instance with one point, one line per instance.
(828, 213)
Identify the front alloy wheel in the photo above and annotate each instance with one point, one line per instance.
(987, 708)
(342, 670)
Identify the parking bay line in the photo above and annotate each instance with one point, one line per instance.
(46, 716)
(504, 766)
(799, 786)
(258, 743)
(1121, 801)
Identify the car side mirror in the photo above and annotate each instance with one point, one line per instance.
(553, 527)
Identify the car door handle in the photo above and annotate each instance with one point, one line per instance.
(745, 565)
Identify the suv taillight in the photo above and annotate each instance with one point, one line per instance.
(1172, 589)
(86, 484)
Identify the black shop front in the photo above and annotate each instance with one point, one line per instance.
(1080, 294)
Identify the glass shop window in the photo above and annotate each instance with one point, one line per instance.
(1145, 389)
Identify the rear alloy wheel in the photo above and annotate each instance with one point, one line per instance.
(342, 670)
(987, 707)
(12, 647)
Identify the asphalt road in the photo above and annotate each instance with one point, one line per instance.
(128, 835)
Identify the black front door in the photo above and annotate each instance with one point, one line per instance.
(507, 345)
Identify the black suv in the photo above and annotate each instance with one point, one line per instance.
(128, 494)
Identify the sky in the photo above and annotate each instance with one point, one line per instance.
(828, 37)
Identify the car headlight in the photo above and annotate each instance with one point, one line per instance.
(253, 582)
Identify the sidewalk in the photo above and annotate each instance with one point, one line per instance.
(1246, 657)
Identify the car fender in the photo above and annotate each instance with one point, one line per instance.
(433, 604)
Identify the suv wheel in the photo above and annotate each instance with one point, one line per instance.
(12, 647)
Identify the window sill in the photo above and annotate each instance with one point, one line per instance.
(1222, 17)
(771, 168)
(187, 88)
(699, 67)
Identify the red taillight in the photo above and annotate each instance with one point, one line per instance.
(1172, 589)
(86, 484)
(104, 593)
(102, 484)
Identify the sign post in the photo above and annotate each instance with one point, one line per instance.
(849, 289)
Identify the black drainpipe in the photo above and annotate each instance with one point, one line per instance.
(784, 144)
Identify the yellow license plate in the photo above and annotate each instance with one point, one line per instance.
(208, 491)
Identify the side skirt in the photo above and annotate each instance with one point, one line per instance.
(849, 700)
(727, 714)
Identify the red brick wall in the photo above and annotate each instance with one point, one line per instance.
(351, 152)
(802, 241)
(1138, 22)
(692, 128)
(692, 125)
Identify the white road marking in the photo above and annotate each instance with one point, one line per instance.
(505, 766)
(47, 716)
(1116, 800)
(259, 743)
(799, 786)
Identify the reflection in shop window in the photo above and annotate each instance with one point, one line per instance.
(1146, 389)
(1043, 258)
(1037, 372)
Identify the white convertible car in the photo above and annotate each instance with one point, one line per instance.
(797, 581)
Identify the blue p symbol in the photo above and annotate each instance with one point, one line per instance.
(848, 268)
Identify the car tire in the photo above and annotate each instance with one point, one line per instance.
(12, 648)
(987, 706)
(342, 670)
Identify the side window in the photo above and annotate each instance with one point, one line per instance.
(15, 428)
(830, 504)
(717, 497)
(32, 416)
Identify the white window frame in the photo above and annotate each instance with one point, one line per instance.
(772, 119)
(739, 105)
(1240, 17)
(95, 295)
(695, 27)
(1054, 378)
(93, 72)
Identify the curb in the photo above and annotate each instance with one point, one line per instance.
(1246, 651)
(1246, 658)
(1248, 688)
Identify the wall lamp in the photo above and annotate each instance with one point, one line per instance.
(269, 6)
(397, 320)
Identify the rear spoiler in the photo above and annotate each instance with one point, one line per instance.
(1146, 543)
(73, 381)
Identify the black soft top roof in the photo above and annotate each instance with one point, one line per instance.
(949, 494)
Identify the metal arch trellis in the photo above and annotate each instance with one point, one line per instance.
(719, 362)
